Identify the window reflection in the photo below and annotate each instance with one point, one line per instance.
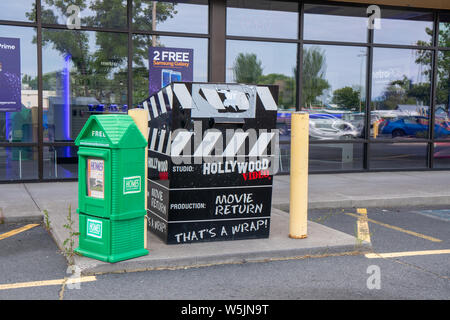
(18, 85)
(444, 30)
(141, 44)
(335, 156)
(400, 93)
(333, 91)
(262, 18)
(18, 163)
(18, 10)
(183, 16)
(405, 27)
(398, 155)
(252, 62)
(442, 109)
(93, 13)
(84, 73)
(60, 162)
(441, 155)
(335, 23)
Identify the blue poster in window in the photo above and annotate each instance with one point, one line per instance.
(168, 65)
(10, 81)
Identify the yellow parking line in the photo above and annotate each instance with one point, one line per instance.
(363, 225)
(16, 231)
(46, 283)
(406, 254)
(397, 228)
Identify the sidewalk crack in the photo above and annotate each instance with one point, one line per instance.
(29, 193)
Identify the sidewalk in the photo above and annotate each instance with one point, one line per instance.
(26, 202)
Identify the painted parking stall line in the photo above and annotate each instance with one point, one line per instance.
(17, 231)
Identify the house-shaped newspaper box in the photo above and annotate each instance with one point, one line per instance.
(111, 173)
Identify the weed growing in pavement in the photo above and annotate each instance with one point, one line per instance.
(46, 220)
(70, 241)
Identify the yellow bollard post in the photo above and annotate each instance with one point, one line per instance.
(140, 118)
(298, 211)
(375, 129)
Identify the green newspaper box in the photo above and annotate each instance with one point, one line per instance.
(111, 173)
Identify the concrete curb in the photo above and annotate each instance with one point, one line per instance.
(321, 241)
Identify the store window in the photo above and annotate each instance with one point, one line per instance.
(444, 30)
(90, 13)
(18, 163)
(60, 162)
(84, 73)
(442, 108)
(336, 156)
(333, 91)
(441, 155)
(18, 10)
(253, 62)
(398, 155)
(405, 27)
(335, 23)
(189, 16)
(400, 104)
(18, 84)
(143, 75)
(266, 19)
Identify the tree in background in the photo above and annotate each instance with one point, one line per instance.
(347, 98)
(313, 80)
(247, 68)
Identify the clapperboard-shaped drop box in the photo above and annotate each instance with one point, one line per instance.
(211, 160)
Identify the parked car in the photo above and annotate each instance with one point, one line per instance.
(413, 126)
(331, 128)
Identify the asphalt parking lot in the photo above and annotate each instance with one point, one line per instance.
(411, 261)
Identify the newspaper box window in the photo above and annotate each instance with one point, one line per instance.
(110, 195)
(211, 158)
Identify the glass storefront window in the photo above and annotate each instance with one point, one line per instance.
(400, 93)
(398, 155)
(141, 73)
(267, 19)
(91, 13)
(18, 10)
(333, 91)
(335, 156)
(335, 23)
(442, 108)
(442, 155)
(84, 73)
(18, 84)
(444, 30)
(18, 163)
(253, 62)
(405, 27)
(189, 16)
(60, 162)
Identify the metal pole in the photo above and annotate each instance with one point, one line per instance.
(56, 166)
(298, 213)
(20, 164)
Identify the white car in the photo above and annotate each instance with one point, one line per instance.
(331, 129)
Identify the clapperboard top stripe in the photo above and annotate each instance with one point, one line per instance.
(217, 97)
(231, 149)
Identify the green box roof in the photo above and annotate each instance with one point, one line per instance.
(111, 131)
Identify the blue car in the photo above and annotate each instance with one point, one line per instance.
(416, 126)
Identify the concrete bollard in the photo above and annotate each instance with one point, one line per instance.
(298, 211)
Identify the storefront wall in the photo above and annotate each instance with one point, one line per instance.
(372, 91)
